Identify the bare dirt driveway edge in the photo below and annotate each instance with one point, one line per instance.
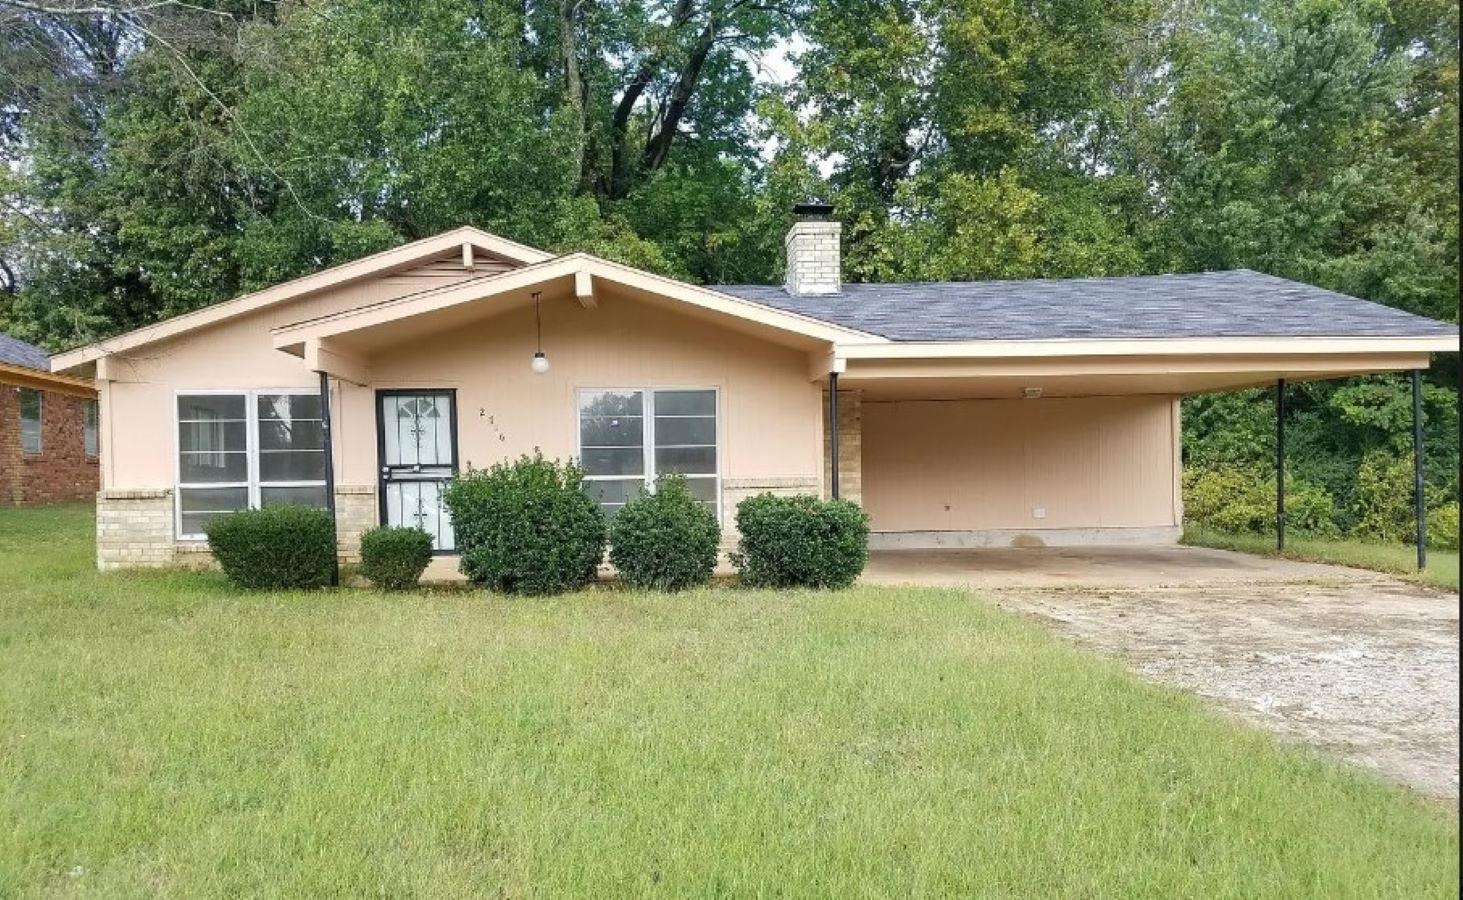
(1353, 664)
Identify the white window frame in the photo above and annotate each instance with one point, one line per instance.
(647, 437)
(253, 485)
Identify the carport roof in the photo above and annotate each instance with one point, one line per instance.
(1239, 303)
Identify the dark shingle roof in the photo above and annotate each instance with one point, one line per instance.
(18, 353)
(1240, 303)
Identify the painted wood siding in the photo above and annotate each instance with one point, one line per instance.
(975, 465)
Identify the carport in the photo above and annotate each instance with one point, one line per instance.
(1047, 413)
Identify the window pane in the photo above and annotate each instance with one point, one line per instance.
(199, 505)
(89, 427)
(300, 496)
(213, 499)
(684, 431)
(687, 460)
(611, 403)
(197, 523)
(211, 466)
(284, 434)
(292, 465)
(614, 461)
(210, 407)
(211, 436)
(702, 488)
(418, 429)
(611, 431)
(30, 404)
(30, 420)
(685, 403)
(289, 406)
(616, 492)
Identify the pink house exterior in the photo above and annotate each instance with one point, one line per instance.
(978, 414)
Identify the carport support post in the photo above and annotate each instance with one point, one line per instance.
(1418, 499)
(833, 433)
(1280, 465)
(329, 477)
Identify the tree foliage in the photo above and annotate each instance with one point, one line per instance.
(156, 157)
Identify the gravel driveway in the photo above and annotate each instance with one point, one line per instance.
(1366, 671)
(1351, 663)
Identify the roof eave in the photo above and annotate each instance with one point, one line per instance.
(1269, 345)
(336, 276)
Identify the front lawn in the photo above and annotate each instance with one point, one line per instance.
(1397, 559)
(164, 734)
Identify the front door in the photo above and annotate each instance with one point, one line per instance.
(417, 440)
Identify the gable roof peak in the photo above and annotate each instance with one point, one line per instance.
(392, 259)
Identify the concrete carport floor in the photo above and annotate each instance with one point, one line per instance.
(1350, 663)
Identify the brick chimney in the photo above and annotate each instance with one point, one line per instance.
(814, 262)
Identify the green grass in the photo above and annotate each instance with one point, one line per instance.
(165, 735)
(1397, 559)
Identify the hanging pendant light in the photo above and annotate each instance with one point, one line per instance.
(540, 363)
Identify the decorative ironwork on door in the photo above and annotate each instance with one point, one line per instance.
(418, 451)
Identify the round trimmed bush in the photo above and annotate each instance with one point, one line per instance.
(800, 542)
(394, 558)
(665, 540)
(275, 548)
(527, 527)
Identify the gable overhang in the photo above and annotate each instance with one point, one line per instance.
(341, 343)
(468, 241)
(978, 369)
(23, 376)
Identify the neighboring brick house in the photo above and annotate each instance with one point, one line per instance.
(49, 447)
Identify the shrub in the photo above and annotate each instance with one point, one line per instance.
(664, 540)
(526, 527)
(394, 558)
(1242, 501)
(1442, 527)
(1383, 500)
(790, 541)
(277, 547)
(1224, 498)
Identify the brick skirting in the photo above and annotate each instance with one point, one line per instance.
(135, 528)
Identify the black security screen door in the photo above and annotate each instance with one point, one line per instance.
(417, 440)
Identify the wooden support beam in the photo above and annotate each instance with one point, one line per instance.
(343, 365)
(584, 289)
(821, 363)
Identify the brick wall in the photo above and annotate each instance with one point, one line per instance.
(813, 258)
(62, 471)
(134, 529)
(355, 513)
(850, 447)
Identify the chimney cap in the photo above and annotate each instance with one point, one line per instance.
(813, 211)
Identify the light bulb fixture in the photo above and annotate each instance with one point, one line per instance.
(540, 363)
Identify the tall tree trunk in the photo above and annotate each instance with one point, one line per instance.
(573, 81)
(620, 178)
(658, 149)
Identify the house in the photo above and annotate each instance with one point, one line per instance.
(48, 429)
(967, 414)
